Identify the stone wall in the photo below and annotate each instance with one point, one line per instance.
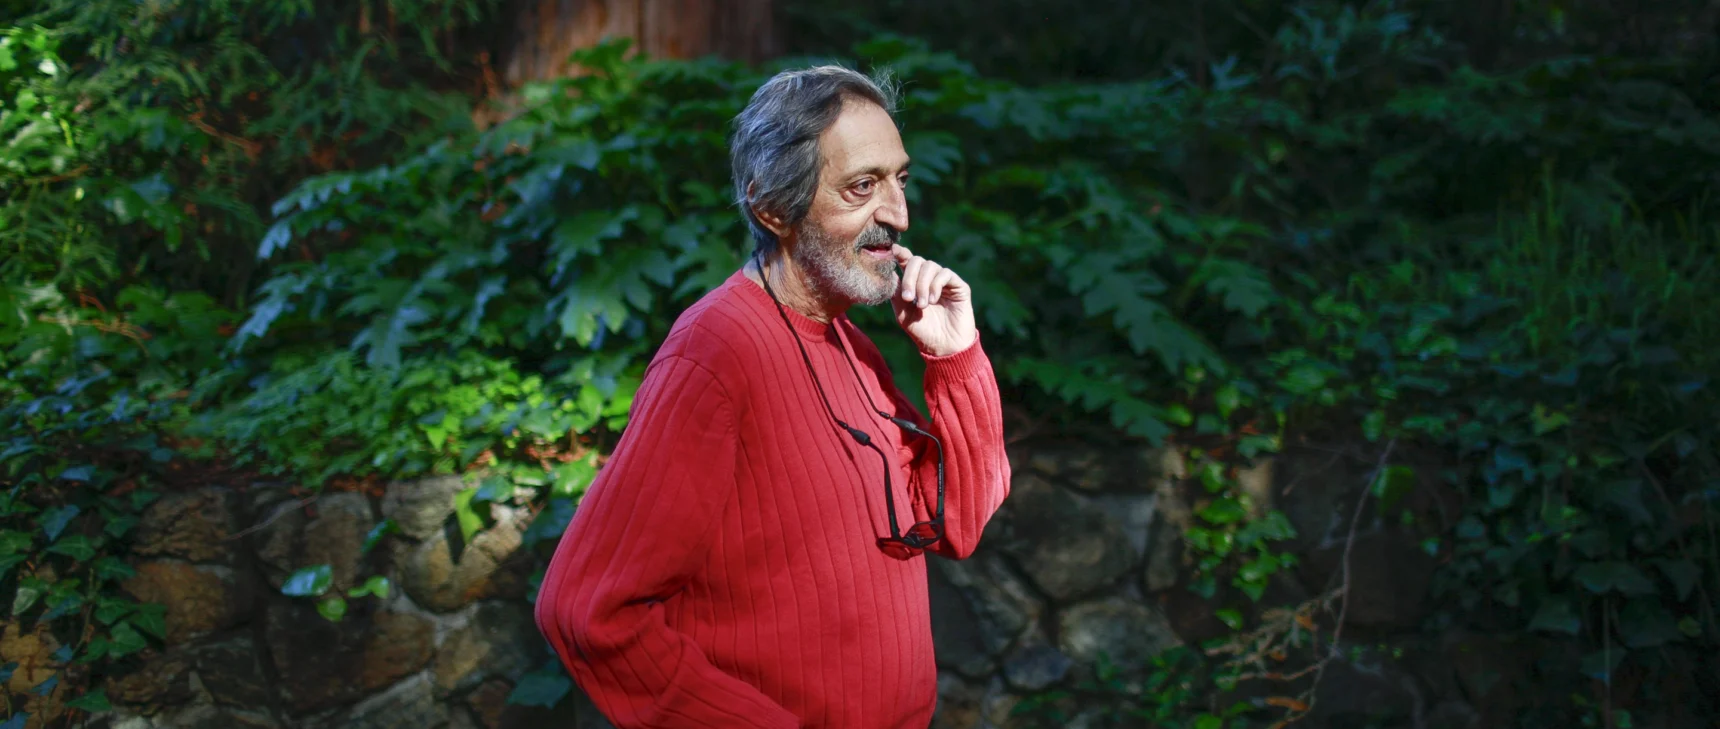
(441, 651)
(1085, 558)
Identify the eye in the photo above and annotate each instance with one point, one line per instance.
(863, 187)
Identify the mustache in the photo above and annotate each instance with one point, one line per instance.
(876, 235)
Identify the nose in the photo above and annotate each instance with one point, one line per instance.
(893, 211)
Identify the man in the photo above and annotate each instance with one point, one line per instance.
(752, 554)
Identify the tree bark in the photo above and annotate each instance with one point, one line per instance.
(546, 31)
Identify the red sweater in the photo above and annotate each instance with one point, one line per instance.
(723, 571)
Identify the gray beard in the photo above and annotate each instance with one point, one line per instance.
(841, 271)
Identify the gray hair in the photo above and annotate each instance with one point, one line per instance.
(774, 151)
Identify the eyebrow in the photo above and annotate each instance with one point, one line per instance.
(879, 171)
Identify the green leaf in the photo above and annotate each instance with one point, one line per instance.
(78, 473)
(14, 542)
(1208, 721)
(54, 521)
(16, 722)
(377, 585)
(151, 619)
(543, 687)
(570, 479)
(92, 702)
(308, 581)
(1643, 623)
(495, 489)
(1683, 573)
(1230, 617)
(1558, 615)
(29, 591)
(1223, 510)
(77, 547)
(1393, 484)
(124, 641)
(470, 522)
(332, 609)
(383, 528)
(113, 569)
(1601, 577)
(1600, 664)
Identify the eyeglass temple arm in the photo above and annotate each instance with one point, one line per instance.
(862, 438)
(911, 427)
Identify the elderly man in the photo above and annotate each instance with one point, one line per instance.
(752, 554)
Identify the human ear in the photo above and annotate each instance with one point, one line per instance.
(770, 219)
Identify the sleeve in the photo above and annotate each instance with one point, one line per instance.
(640, 531)
(967, 416)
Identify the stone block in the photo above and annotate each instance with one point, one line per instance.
(196, 526)
(420, 507)
(492, 567)
(500, 640)
(322, 665)
(200, 599)
(331, 533)
(1068, 544)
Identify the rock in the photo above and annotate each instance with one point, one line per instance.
(34, 653)
(232, 674)
(1127, 633)
(1164, 556)
(420, 507)
(1365, 687)
(500, 640)
(492, 567)
(200, 599)
(409, 705)
(1190, 616)
(334, 536)
(1389, 578)
(1135, 513)
(960, 705)
(209, 717)
(957, 640)
(1001, 606)
(1065, 542)
(197, 526)
(323, 664)
(1091, 468)
(1256, 482)
(161, 682)
(489, 702)
(1035, 666)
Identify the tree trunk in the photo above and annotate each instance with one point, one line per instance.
(546, 31)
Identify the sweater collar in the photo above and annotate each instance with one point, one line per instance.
(804, 325)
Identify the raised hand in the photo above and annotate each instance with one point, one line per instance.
(933, 305)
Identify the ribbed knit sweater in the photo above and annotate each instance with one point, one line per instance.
(723, 568)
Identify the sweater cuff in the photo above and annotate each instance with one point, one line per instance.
(958, 366)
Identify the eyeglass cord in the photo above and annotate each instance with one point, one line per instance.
(859, 436)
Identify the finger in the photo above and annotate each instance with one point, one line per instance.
(901, 253)
(940, 284)
(910, 277)
(929, 274)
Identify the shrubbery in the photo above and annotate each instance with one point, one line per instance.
(1346, 234)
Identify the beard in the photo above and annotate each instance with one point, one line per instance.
(840, 270)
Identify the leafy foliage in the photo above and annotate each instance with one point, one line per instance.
(1354, 222)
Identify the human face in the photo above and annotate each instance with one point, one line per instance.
(859, 210)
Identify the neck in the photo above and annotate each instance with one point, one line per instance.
(793, 287)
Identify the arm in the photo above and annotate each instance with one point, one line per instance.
(640, 532)
(967, 416)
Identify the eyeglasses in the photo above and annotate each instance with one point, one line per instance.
(920, 536)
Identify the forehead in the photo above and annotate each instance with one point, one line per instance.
(862, 140)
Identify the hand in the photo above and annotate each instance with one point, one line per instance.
(933, 305)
